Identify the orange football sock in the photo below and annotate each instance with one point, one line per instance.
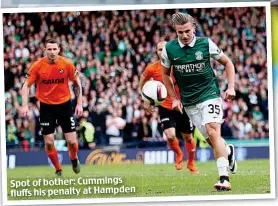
(174, 145)
(73, 149)
(190, 148)
(53, 156)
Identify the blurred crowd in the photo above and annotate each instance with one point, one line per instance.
(112, 48)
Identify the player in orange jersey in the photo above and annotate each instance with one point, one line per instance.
(172, 120)
(51, 74)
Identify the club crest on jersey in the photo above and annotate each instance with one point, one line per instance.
(199, 55)
(61, 71)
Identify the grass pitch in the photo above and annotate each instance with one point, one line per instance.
(252, 177)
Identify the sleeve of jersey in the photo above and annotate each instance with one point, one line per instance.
(32, 74)
(165, 61)
(214, 51)
(147, 73)
(73, 73)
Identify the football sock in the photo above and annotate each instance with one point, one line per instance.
(190, 148)
(228, 149)
(174, 145)
(53, 156)
(222, 166)
(73, 149)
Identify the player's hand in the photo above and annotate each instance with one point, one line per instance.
(78, 110)
(25, 112)
(148, 107)
(230, 94)
(177, 105)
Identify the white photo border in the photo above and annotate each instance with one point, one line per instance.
(272, 194)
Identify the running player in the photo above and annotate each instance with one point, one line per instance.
(51, 74)
(172, 120)
(189, 57)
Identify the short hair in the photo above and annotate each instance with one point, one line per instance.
(51, 41)
(181, 19)
(161, 42)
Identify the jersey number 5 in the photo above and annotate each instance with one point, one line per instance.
(214, 109)
(72, 123)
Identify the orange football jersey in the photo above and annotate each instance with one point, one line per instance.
(52, 80)
(154, 71)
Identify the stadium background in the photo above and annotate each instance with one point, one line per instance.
(110, 65)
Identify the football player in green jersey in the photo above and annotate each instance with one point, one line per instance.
(189, 56)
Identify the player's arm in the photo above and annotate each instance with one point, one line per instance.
(77, 88)
(166, 75)
(230, 71)
(143, 79)
(167, 80)
(31, 78)
(25, 93)
(219, 56)
(146, 76)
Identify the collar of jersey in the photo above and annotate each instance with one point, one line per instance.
(192, 43)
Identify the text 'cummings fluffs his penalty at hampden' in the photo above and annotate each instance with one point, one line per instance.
(100, 185)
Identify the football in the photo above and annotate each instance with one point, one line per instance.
(154, 93)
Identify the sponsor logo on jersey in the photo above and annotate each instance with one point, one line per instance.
(61, 71)
(53, 81)
(199, 55)
(190, 68)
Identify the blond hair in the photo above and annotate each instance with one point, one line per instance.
(181, 19)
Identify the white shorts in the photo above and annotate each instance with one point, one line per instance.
(206, 112)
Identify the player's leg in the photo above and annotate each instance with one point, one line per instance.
(66, 120)
(220, 154)
(231, 155)
(72, 143)
(48, 124)
(198, 116)
(168, 127)
(186, 127)
(212, 114)
(190, 147)
(173, 144)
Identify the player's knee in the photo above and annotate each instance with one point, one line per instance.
(212, 132)
(72, 143)
(49, 141)
(71, 138)
(49, 146)
(187, 137)
(170, 135)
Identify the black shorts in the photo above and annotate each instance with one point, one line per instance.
(173, 118)
(53, 115)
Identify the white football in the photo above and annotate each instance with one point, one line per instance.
(154, 93)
